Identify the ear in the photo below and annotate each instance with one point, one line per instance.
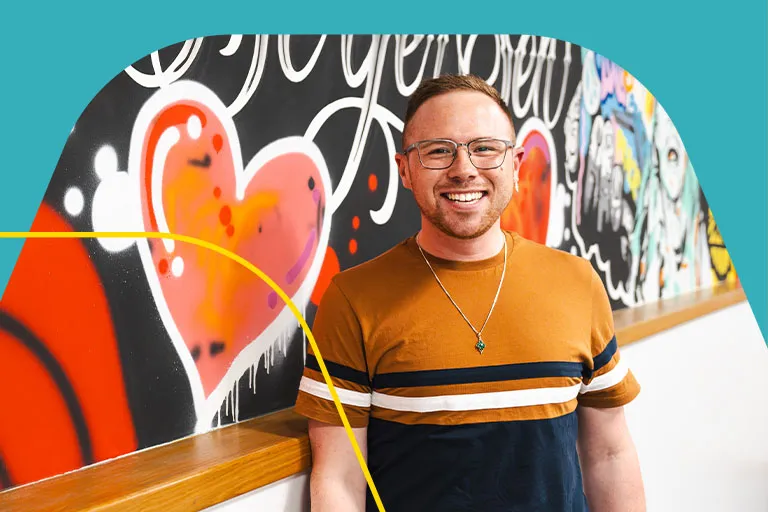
(517, 157)
(402, 169)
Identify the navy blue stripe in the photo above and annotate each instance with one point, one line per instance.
(481, 374)
(514, 466)
(606, 355)
(339, 371)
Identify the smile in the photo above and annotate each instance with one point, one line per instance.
(465, 197)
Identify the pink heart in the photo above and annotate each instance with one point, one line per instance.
(186, 161)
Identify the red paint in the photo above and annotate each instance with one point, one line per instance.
(218, 142)
(163, 266)
(37, 437)
(329, 269)
(528, 212)
(373, 182)
(217, 192)
(352, 246)
(57, 294)
(355, 222)
(230, 230)
(225, 215)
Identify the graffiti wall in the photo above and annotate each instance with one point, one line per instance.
(279, 149)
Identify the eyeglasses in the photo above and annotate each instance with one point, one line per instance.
(439, 154)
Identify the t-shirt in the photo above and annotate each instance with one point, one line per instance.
(450, 428)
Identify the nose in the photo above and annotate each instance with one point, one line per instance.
(462, 168)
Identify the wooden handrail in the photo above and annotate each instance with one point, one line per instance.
(203, 470)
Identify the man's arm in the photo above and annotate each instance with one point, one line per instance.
(611, 469)
(337, 483)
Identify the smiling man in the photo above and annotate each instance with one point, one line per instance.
(479, 370)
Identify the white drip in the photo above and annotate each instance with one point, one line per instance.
(236, 401)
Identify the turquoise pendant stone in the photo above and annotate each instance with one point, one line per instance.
(480, 345)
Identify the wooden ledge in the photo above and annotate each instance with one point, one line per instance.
(201, 471)
(186, 475)
(633, 324)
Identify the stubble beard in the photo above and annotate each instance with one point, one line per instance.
(452, 224)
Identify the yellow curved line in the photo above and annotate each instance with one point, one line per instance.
(250, 266)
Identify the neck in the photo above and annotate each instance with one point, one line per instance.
(437, 243)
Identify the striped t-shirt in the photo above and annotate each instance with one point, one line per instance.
(449, 428)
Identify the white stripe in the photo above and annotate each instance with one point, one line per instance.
(607, 380)
(346, 396)
(477, 401)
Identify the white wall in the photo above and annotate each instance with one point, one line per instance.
(288, 495)
(700, 423)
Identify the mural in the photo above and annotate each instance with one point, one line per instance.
(280, 149)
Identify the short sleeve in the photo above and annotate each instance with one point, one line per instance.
(607, 382)
(338, 336)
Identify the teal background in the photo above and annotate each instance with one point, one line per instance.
(705, 65)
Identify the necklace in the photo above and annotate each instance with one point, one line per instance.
(480, 345)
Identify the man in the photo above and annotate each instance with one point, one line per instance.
(478, 370)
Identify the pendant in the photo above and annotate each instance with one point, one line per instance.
(480, 345)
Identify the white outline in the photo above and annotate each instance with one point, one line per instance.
(385, 119)
(284, 55)
(163, 78)
(232, 45)
(615, 292)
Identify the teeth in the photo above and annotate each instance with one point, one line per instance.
(465, 198)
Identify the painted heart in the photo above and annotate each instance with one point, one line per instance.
(186, 163)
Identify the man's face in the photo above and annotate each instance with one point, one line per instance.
(442, 195)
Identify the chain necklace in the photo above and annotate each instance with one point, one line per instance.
(480, 345)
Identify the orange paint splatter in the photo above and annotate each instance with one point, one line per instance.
(329, 269)
(373, 182)
(218, 142)
(225, 215)
(352, 246)
(163, 266)
(528, 211)
(171, 117)
(355, 222)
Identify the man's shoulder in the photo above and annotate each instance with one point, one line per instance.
(552, 262)
(372, 272)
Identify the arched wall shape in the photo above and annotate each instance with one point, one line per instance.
(281, 149)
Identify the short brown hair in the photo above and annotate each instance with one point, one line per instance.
(449, 83)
